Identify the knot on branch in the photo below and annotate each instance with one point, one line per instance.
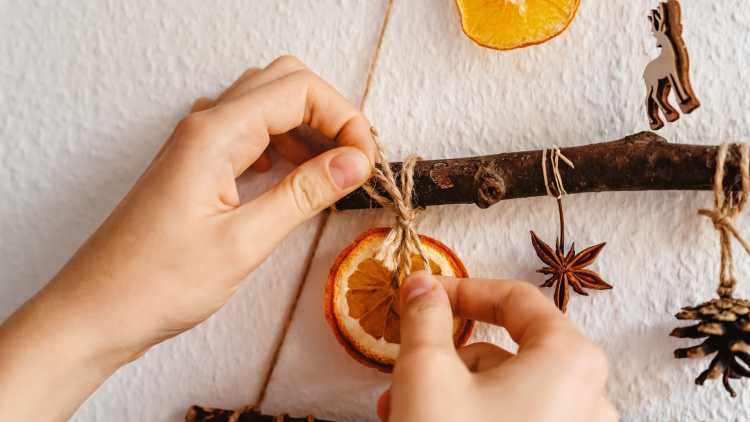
(489, 185)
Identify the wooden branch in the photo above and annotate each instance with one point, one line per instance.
(207, 414)
(640, 162)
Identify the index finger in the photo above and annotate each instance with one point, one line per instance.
(288, 102)
(520, 308)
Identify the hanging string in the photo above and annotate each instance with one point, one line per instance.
(376, 55)
(727, 205)
(403, 241)
(321, 228)
(559, 190)
(555, 156)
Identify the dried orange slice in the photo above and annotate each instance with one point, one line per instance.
(509, 24)
(362, 301)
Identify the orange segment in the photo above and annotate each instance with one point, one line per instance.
(509, 24)
(362, 300)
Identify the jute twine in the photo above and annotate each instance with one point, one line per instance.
(727, 205)
(555, 156)
(293, 306)
(402, 242)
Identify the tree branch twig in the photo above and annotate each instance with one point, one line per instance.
(640, 162)
(208, 414)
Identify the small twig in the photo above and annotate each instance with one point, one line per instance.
(639, 162)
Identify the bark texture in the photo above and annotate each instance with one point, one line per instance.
(639, 162)
(207, 414)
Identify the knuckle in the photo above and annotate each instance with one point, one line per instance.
(307, 195)
(249, 72)
(520, 292)
(192, 129)
(524, 289)
(305, 75)
(194, 123)
(288, 61)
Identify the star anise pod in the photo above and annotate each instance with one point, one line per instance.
(568, 271)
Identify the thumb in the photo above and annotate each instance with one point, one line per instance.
(309, 189)
(426, 316)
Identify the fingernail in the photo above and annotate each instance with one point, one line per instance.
(416, 285)
(349, 168)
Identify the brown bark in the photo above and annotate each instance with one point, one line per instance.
(207, 414)
(640, 162)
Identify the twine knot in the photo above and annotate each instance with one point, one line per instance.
(402, 242)
(720, 220)
(555, 156)
(727, 205)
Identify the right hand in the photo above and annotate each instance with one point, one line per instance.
(557, 374)
(180, 243)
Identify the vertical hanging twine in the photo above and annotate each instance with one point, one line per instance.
(727, 205)
(559, 189)
(405, 220)
(321, 228)
(402, 242)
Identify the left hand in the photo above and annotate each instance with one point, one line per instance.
(179, 244)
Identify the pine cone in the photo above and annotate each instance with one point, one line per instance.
(726, 323)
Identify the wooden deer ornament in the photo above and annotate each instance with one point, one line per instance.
(670, 69)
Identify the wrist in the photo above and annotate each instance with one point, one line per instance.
(74, 311)
(51, 353)
(60, 346)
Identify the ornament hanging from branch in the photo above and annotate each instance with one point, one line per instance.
(724, 321)
(362, 293)
(671, 69)
(565, 270)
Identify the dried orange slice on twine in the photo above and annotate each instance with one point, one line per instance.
(362, 302)
(509, 24)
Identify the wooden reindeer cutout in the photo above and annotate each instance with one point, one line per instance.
(670, 69)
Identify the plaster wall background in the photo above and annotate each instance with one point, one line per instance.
(89, 89)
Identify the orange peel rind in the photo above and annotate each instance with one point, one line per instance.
(361, 302)
(511, 24)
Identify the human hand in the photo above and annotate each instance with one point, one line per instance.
(557, 374)
(179, 244)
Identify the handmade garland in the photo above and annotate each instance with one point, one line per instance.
(645, 161)
(362, 293)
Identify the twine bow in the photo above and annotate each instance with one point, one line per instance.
(727, 205)
(402, 241)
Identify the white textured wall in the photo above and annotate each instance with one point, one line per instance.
(88, 90)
